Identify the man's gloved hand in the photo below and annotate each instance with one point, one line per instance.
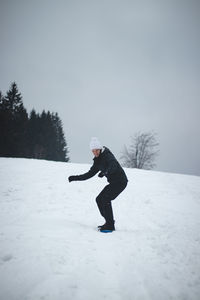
(101, 174)
(72, 178)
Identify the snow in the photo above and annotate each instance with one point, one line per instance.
(50, 248)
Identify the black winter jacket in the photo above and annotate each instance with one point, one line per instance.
(108, 165)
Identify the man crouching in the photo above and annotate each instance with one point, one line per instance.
(106, 163)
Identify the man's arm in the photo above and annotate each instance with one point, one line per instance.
(93, 171)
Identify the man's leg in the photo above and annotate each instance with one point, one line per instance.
(110, 192)
(100, 202)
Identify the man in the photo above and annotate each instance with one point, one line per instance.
(106, 163)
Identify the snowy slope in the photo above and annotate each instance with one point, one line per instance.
(50, 249)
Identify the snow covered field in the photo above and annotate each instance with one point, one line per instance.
(50, 249)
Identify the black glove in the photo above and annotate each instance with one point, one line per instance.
(101, 174)
(72, 178)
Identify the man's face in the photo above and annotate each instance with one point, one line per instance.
(96, 152)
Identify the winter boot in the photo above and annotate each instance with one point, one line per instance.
(108, 227)
(100, 226)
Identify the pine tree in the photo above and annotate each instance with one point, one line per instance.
(3, 125)
(15, 122)
(14, 99)
(33, 130)
(62, 152)
(47, 136)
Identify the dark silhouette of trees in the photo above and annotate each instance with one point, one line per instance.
(38, 136)
(13, 121)
(142, 151)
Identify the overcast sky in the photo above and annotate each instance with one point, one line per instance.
(109, 68)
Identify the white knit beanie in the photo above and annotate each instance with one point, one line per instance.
(95, 144)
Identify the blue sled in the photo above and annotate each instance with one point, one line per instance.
(106, 231)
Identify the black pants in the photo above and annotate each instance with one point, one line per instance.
(110, 192)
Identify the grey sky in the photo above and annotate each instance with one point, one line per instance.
(109, 68)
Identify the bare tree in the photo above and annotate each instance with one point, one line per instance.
(142, 151)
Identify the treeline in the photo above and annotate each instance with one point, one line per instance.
(31, 135)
